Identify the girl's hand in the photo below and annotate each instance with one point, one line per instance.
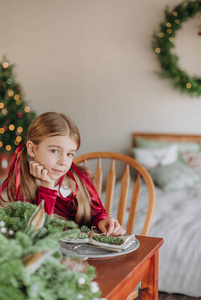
(111, 226)
(39, 172)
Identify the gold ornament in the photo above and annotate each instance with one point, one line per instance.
(5, 65)
(18, 102)
(158, 50)
(11, 127)
(19, 129)
(16, 97)
(4, 111)
(27, 109)
(16, 143)
(8, 147)
(10, 93)
(18, 139)
(188, 85)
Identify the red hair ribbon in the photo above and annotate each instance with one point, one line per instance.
(86, 182)
(15, 159)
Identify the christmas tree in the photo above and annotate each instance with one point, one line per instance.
(15, 115)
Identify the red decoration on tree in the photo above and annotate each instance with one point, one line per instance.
(20, 115)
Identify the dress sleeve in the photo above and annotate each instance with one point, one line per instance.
(49, 196)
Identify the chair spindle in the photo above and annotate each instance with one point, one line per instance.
(110, 188)
(125, 182)
(99, 177)
(133, 206)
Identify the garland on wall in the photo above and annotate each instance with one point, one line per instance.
(163, 43)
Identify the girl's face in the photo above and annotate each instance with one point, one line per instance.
(55, 154)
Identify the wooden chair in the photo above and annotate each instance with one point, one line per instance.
(125, 182)
(140, 172)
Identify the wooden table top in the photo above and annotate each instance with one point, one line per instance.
(114, 273)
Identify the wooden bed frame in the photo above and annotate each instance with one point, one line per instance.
(177, 138)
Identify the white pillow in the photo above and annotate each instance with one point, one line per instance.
(152, 158)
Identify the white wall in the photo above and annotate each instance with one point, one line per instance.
(92, 59)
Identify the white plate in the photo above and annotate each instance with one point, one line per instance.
(86, 250)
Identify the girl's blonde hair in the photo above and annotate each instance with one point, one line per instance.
(47, 125)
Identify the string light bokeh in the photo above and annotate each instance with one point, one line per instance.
(15, 114)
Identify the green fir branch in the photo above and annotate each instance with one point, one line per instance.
(51, 279)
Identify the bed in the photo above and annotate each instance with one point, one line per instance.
(177, 217)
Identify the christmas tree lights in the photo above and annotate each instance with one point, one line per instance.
(15, 115)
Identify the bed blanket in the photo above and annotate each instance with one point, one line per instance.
(177, 219)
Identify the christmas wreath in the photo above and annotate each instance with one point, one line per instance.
(163, 43)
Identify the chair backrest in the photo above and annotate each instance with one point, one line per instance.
(125, 183)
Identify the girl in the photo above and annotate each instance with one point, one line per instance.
(44, 169)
